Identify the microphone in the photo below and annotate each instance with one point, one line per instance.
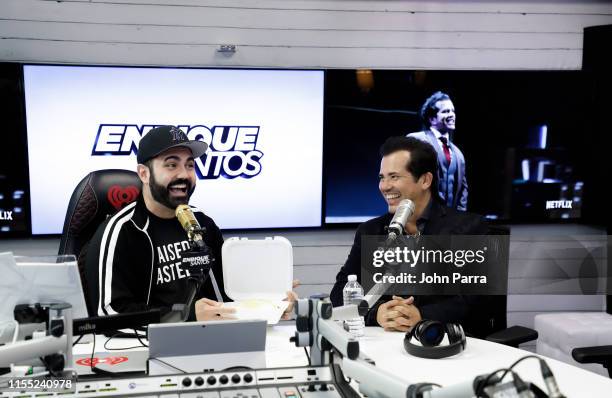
(404, 211)
(198, 260)
(190, 224)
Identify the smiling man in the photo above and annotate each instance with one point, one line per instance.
(408, 170)
(438, 117)
(134, 259)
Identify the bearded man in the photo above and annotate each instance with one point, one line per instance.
(134, 260)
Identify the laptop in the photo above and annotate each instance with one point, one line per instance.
(195, 347)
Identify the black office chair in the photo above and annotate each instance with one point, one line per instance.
(100, 194)
(495, 306)
(598, 354)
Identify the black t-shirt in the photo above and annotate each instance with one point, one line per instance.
(169, 278)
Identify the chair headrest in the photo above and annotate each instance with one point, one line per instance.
(100, 194)
(114, 189)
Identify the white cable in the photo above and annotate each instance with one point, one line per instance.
(16, 332)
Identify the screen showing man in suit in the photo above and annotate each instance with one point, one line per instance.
(438, 116)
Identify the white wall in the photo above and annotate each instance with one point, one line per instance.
(302, 34)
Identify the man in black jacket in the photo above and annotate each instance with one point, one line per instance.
(408, 170)
(134, 260)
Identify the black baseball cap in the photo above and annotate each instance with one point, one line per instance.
(160, 139)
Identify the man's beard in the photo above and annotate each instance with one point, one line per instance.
(161, 194)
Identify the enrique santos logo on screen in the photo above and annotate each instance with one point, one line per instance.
(232, 149)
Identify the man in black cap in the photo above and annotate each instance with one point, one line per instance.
(134, 259)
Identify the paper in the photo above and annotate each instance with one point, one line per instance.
(269, 310)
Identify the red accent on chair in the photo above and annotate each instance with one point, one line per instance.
(119, 196)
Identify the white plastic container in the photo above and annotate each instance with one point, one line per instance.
(257, 273)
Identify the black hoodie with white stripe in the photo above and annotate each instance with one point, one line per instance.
(134, 262)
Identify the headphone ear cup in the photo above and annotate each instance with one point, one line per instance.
(417, 328)
(463, 339)
(451, 331)
(414, 333)
(455, 333)
(429, 333)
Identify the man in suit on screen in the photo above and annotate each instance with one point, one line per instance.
(438, 116)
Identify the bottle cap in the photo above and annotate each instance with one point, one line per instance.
(352, 278)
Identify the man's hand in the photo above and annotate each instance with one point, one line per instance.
(291, 298)
(210, 310)
(398, 314)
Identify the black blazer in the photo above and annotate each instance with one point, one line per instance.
(443, 220)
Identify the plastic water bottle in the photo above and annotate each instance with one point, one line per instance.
(353, 291)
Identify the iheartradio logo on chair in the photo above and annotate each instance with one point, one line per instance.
(119, 196)
(95, 361)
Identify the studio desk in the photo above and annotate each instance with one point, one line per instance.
(287, 374)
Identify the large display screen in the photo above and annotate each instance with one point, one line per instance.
(14, 199)
(524, 137)
(264, 127)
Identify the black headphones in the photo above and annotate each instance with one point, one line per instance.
(430, 334)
